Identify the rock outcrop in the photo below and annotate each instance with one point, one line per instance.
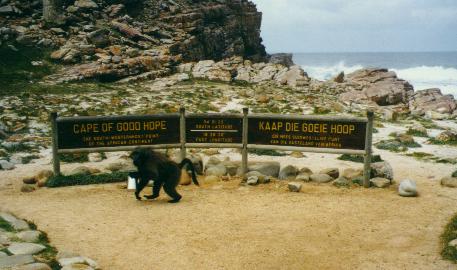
(431, 100)
(377, 85)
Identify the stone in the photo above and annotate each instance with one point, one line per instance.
(77, 260)
(294, 186)
(4, 239)
(407, 188)
(382, 169)
(120, 166)
(447, 136)
(27, 188)
(417, 129)
(85, 4)
(435, 115)
(29, 236)
(30, 180)
(33, 266)
(351, 173)
(292, 76)
(287, 173)
(100, 38)
(81, 170)
(44, 175)
(432, 100)
(3, 254)
(17, 224)
(303, 177)
(217, 170)
(333, 172)
(453, 243)
(15, 260)
(449, 182)
(321, 178)
(339, 78)
(252, 180)
(297, 154)
(284, 59)
(341, 182)
(5, 165)
(95, 157)
(211, 152)
(17, 248)
(390, 115)
(77, 266)
(270, 168)
(380, 182)
(211, 179)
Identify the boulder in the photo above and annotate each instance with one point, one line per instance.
(217, 170)
(77, 266)
(351, 173)
(382, 169)
(5, 165)
(18, 224)
(294, 186)
(333, 172)
(29, 236)
(15, 260)
(339, 78)
(407, 188)
(81, 170)
(432, 100)
(100, 38)
(341, 182)
(377, 85)
(447, 136)
(303, 177)
(284, 59)
(211, 178)
(380, 182)
(321, 178)
(30, 180)
(33, 266)
(287, 173)
(85, 4)
(270, 168)
(95, 157)
(252, 180)
(27, 188)
(292, 77)
(449, 182)
(17, 248)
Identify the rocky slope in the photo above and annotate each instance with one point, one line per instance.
(108, 40)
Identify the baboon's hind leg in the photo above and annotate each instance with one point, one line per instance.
(155, 190)
(171, 191)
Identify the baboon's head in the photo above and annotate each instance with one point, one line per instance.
(138, 156)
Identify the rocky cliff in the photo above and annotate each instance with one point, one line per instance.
(111, 39)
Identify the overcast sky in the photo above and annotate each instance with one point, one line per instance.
(358, 25)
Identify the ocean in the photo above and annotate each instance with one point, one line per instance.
(422, 69)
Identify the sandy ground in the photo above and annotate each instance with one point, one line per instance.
(224, 226)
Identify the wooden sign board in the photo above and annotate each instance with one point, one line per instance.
(214, 130)
(97, 132)
(335, 134)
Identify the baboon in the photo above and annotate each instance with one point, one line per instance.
(155, 166)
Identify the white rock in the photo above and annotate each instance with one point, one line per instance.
(15, 260)
(294, 186)
(380, 182)
(95, 157)
(25, 248)
(407, 188)
(252, 180)
(29, 236)
(321, 178)
(453, 243)
(33, 266)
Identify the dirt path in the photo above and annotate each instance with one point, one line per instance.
(224, 226)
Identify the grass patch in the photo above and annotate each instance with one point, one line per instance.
(450, 233)
(438, 142)
(74, 157)
(419, 155)
(5, 225)
(417, 133)
(396, 146)
(266, 152)
(20, 147)
(77, 180)
(359, 158)
(27, 159)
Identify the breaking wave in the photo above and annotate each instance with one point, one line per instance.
(421, 77)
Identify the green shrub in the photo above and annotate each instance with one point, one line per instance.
(396, 146)
(266, 152)
(74, 157)
(359, 158)
(417, 133)
(450, 233)
(438, 142)
(81, 179)
(454, 174)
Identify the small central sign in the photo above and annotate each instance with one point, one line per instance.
(336, 134)
(96, 132)
(214, 129)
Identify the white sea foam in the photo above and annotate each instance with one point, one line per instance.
(421, 77)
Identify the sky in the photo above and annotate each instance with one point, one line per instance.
(358, 25)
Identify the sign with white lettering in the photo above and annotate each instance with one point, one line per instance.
(214, 129)
(307, 133)
(96, 132)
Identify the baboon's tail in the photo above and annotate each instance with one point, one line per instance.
(188, 162)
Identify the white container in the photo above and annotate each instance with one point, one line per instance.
(131, 184)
